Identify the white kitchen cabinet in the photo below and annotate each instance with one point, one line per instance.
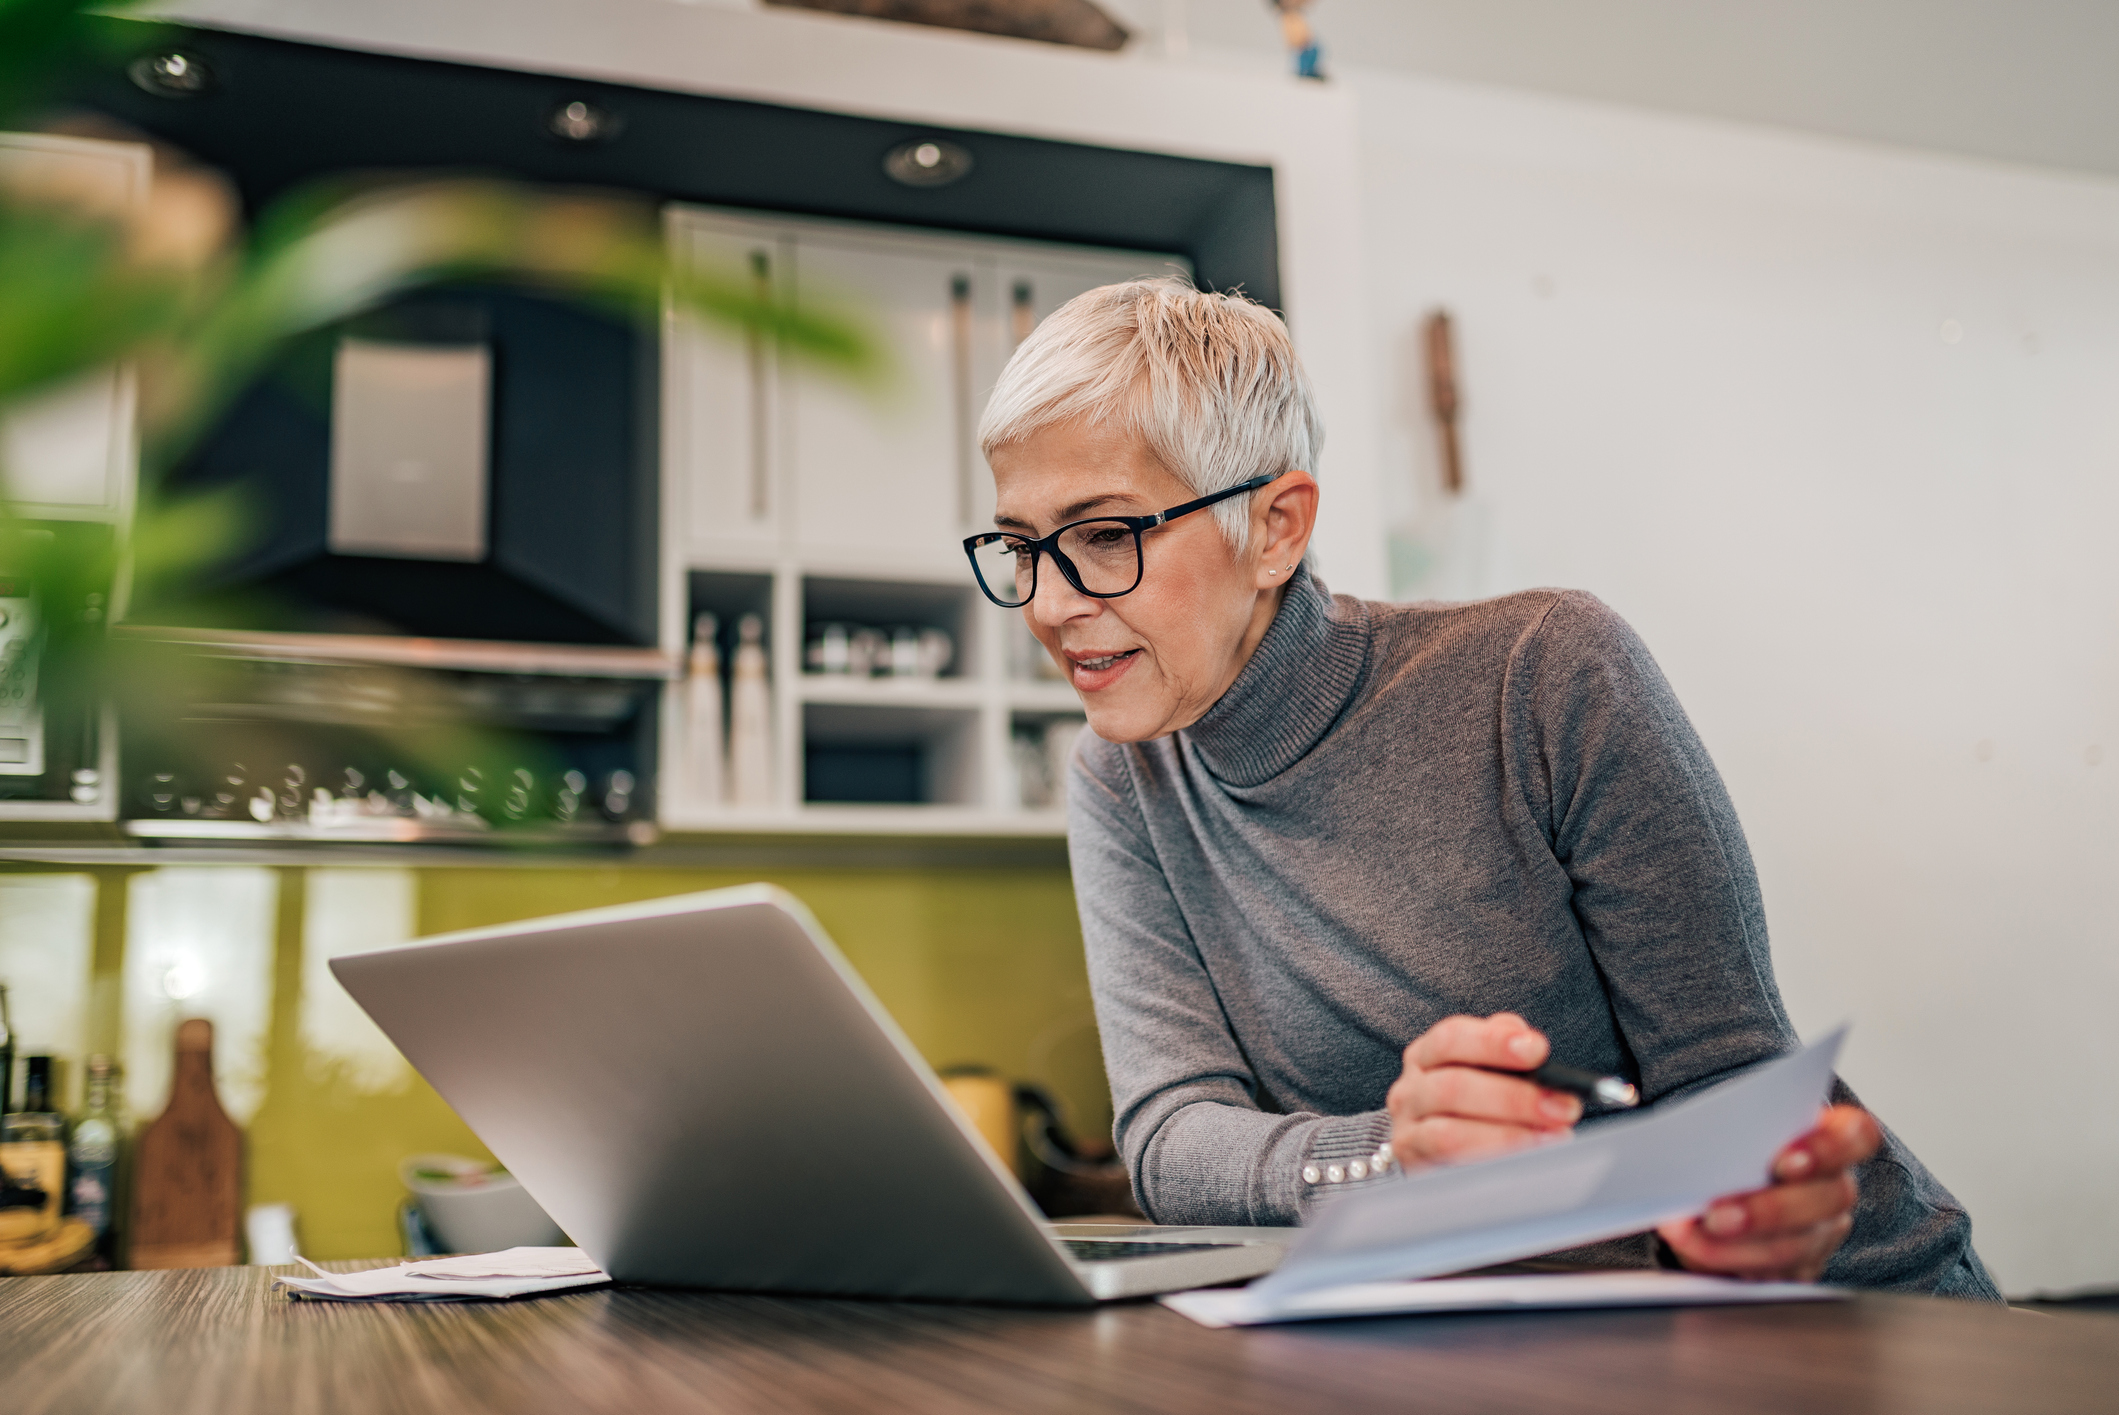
(1033, 283)
(67, 451)
(848, 504)
(892, 475)
(722, 402)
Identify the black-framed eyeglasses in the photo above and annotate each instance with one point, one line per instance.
(1101, 556)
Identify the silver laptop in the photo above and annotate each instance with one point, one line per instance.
(702, 1093)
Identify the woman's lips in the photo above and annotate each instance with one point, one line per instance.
(1094, 672)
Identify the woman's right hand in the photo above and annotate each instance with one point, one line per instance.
(1444, 1107)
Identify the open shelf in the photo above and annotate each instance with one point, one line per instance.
(896, 756)
(1039, 745)
(903, 620)
(728, 595)
(1043, 698)
(890, 692)
(871, 752)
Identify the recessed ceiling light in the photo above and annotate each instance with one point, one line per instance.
(578, 120)
(927, 162)
(173, 73)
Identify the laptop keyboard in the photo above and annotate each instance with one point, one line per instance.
(1105, 1250)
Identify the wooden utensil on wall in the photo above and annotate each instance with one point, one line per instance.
(1442, 396)
(187, 1169)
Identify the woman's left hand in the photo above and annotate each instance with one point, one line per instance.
(1790, 1229)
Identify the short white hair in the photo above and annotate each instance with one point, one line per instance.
(1209, 382)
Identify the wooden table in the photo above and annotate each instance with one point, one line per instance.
(220, 1342)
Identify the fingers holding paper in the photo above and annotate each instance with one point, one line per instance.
(1452, 1103)
(1790, 1229)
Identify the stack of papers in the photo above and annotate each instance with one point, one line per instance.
(518, 1272)
(1357, 1253)
(1242, 1307)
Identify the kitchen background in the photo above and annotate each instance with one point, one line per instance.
(1811, 383)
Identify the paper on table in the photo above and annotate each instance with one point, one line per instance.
(1243, 1306)
(517, 1272)
(1612, 1179)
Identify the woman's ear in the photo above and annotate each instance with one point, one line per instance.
(1282, 519)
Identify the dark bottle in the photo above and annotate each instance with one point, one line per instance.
(37, 1085)
(7, 1056)
(33, 1160)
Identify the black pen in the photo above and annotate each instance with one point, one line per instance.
(1611, 1092)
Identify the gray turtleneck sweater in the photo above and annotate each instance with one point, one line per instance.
(1402, 812)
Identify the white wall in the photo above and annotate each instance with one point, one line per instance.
(1837, 428)
(2018, 80)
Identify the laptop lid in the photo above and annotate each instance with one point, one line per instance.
(702, 1093)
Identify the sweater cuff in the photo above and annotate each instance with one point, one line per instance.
(1345, 1152)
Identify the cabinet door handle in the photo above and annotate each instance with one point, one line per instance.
(761, 271)
(960, 351)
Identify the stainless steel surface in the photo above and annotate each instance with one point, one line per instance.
(470, 655)
(402, 830)
(410, 435)
(21, 713)
(703, 1094)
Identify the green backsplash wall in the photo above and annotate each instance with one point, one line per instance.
(980, 964)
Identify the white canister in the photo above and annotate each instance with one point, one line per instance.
(475, 1208)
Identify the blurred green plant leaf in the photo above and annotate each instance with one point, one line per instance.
(70, 300)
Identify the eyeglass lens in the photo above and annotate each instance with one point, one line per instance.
(1105, 556)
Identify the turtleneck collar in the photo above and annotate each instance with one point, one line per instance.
(1300, 678)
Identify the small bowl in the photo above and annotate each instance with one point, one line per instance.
(477, 1208)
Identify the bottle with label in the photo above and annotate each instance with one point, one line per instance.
(33, 1160)
(92, 1153)
(750, 710)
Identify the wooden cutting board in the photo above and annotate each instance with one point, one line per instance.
(187, 1169)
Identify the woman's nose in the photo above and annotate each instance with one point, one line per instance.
(1055, 600)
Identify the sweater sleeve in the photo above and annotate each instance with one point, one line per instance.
(1668, 901)
(1614, 778)
(1187, 1116)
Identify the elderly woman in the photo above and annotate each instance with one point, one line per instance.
(1342, 864)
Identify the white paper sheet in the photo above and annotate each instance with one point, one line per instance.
(1244, 1306)
(1615, 1178)
(517, 1272)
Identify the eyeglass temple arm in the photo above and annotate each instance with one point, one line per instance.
(1150, 522)
(1223, 495)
